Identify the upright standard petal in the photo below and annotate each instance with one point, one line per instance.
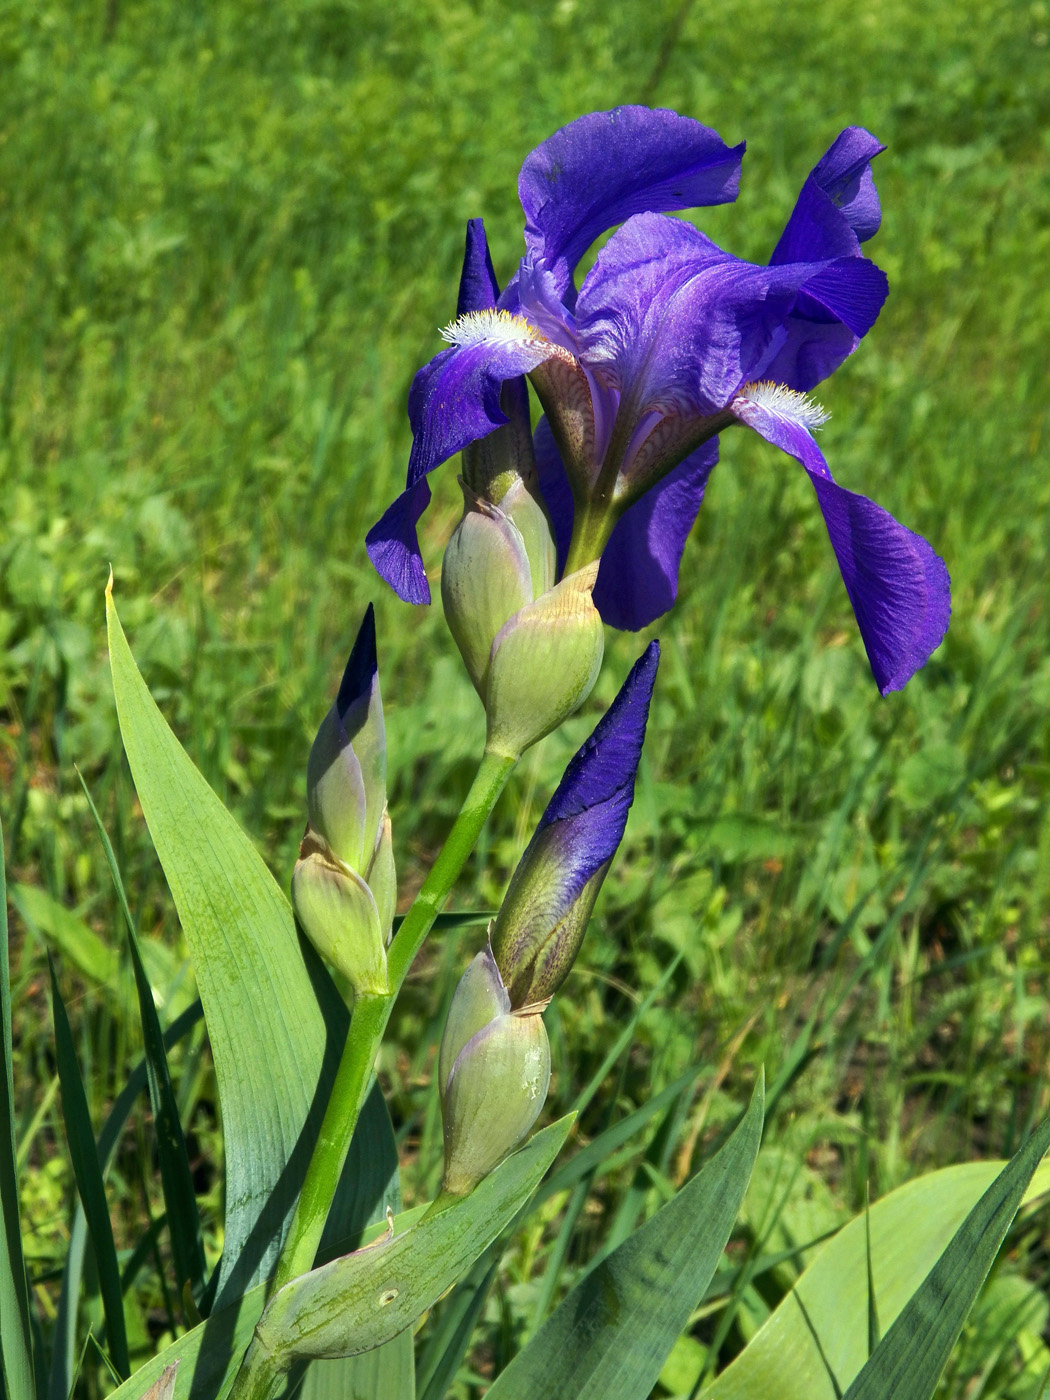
(675, 323)
(478, 288)
(898, 586)
(837, 210)
(602, 168)
(834, 310)
(838, 207)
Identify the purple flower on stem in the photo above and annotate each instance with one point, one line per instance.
(541, 923)
(668, 341)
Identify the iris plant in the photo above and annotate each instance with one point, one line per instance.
(667, 342)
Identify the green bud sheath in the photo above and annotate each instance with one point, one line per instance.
(340, 918)
(337, 804)
(535, 955)
(382, 878)
(485, 578)
(545, 660)
(479, 998)
(521, 505)
(494, 1094)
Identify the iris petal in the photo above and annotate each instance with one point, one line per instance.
(898, 586)
(478, 288)
(675, 322)
(602, 168)
(393, 546)
(838, 207)
(455, 399)
(603, 770)
(638, 576)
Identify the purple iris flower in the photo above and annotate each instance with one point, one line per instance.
(541, 923)
(668, 341)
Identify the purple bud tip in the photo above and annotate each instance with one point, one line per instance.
(606, 764)
(362, 666)
(478, 288)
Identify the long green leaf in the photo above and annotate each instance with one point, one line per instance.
(387, 1371)
(268, 1034)
(60, 928)
(180, 1200)
(449, 1340)
(362, 1300)
(612, 1334)
(908, 1361)
(16, 1350)
(816, 1341)
(275, 1021)
(211, 1352)
(88, 1174)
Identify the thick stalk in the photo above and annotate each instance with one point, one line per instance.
(369, 1020)
(590, 534)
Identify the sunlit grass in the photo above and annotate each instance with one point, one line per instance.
(228, 237)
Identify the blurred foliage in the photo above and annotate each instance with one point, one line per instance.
(228, 234)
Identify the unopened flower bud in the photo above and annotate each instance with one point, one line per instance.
(494, 1070)
(532, 648)
(545, 659)
(485, 578)
(344, 888)
(541, 923)
(339, 916)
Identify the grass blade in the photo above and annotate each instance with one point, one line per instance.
(816, 1341)
(180, 1200)
(63, 1345)
(613, 1332)
(16, 1348)
(447, 1344)
(908, 1361)
(88, 1173)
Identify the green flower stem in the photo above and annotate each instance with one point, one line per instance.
(590, 534)
(489, 782)
(352, 1078)
(369, 1020)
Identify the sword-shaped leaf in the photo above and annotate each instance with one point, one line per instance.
(909, 1359)
(211, 1352)
(16, 1351)
(612, 1334)
(275, 1021)
(816, 1341)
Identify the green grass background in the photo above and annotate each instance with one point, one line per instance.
(228, 234)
